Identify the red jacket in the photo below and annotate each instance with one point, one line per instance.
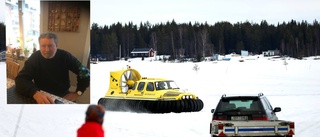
(90, 129)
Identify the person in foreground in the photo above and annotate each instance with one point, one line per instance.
(93, 122)
(48, 70)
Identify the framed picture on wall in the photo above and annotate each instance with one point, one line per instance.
(63, 16)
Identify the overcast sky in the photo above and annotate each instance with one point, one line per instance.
(107, 12)
(2, 9)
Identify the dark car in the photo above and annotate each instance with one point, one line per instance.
(244, 108)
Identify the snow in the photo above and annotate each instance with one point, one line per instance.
(293, 87)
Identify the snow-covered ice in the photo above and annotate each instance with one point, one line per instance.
(294, 87)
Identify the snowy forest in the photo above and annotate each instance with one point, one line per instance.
(197, 40)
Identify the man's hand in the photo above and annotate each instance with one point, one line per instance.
(72, 96)
(42, 98)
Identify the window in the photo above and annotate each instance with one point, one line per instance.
(134, 86)
(163, 85)
(28, 25)
(266, 103)
(244, 104)
(247, 104)
(141, 85)
(150, 86)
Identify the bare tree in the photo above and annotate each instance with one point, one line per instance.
(317, 42)
(181, 49)
(195, 44)
(297, 47)
(203, 40)
(172, 43)
(154, 40)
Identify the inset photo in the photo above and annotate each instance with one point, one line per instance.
(47, 54)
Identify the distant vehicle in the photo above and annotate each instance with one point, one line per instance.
(2, 55)
(94, 60)
(248, 116)
(101, 57)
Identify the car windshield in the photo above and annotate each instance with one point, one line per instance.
(239, 104)
(164, 85)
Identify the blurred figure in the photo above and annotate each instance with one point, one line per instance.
(93, 123)
(161, 86)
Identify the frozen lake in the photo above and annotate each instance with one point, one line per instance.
(294, 87)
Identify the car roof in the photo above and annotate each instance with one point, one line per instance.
(224, 96)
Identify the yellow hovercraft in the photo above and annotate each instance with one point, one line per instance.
(128, 91)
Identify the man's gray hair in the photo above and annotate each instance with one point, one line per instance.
(49, 35)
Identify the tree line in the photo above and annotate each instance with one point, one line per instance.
(197, 40)
(2, 36)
